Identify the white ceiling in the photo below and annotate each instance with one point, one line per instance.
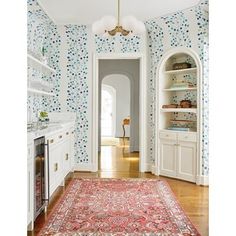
(87, 11)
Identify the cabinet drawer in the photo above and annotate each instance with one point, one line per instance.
(191, 137)
(66, 134)
(60, 136)
(168, 135)
(52, 140)
(56, 138)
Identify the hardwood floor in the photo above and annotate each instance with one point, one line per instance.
(117, 162)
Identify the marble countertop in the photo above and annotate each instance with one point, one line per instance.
(53, 127)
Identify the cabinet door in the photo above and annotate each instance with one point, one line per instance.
(66, 157)
(72, 148)
(186, 167)
(30, 193)
(168, 157)
(55, 168)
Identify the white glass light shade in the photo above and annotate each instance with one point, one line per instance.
(128, 23)
(109, 22)
(98, 27)
(139, 28)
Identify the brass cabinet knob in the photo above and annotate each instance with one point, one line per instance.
(60, 136)
(67, 157)
(52, 141)
(67, 133)
(55, 167)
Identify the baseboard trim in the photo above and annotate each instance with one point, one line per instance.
(84, 167)
(134, 149)
(154, 170)
(202, 180)
(147, 167)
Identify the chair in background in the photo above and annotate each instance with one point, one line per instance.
(126, 121)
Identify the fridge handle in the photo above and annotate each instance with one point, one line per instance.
(47, 172)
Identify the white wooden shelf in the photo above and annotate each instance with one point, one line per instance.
(183, 71)
(193, 110)
(178, 145)
(36, 91)
(180, 89)
(183, 121)
(177, 131)
(37, 64)
(40, 84)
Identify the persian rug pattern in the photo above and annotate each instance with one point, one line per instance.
(118, 207)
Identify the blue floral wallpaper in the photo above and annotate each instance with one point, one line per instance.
(156, 50)
(77, 90)
(105, 44)
(129, 44)
(178, 28)
(187, 28)
(171, 31)
(43, 33)
(117, 44)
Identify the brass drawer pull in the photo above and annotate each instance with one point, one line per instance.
(67, 156)
(72, 132)
(55, 167)
(52, 141)
(67, 133)
(60, 136)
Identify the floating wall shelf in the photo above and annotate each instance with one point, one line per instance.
(183, 71)
(40, 84)
(40, 92)
(38, 65)
(193, 110)
(179, 89)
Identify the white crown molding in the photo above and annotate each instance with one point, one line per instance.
(46, 12)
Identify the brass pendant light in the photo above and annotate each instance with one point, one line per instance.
(108, 25)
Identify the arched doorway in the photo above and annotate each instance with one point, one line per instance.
(108, 111)
(115, 155)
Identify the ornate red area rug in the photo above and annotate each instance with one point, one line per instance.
(118, 207)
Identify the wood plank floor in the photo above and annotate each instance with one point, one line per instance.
(117, 162)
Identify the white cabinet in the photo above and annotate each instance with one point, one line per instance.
(178, 115)
(177, 157)
(67, 158)
(186, 157)
(30, 187)
(55, 167)
(72, 148)
(60, 151)
(59, 161)
(168, 158)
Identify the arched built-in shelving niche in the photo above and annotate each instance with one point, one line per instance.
(178, 128)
